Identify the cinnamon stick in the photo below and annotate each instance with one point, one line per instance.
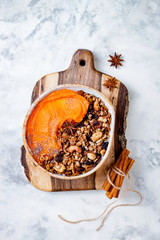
(106, 186)
(118, 177)
(130, 165)
(116, 191)
(127, 164)
(125, 152)
(109, 195)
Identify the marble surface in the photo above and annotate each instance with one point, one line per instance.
(38, 37)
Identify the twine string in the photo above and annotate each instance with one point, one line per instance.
(121, 173)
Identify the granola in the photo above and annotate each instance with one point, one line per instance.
(83, 144)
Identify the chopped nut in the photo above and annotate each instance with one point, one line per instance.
(71, 166)
(77, 164)
(51, 170)
(91, 156)
(84, 137)
(72, 141)
(59, 167)
(99, 148)
(86, 123)
(102, 152)
(91, 143)
(99, 142)
(102, 119)
(76, 157)
(64, 135)
(82, 129)
(90, 148)
(89, 116)
(51, 165)
(106, 125)
(96, 106)
(74, 148)
(47, 167)
(42, 159)
(87, 167)
(79, 143)
(86, 132)
(96, 136)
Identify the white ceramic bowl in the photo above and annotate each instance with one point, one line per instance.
(74, 87)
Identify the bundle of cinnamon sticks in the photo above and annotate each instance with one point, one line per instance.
(124, 164)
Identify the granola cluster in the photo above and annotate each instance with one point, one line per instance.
(82, 144)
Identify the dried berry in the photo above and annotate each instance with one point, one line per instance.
(95, 116)
(88, 162)
(79, 169)
(90, 107)
(86, 117)
(88, 137)
(105, 145)
(59, 157)
(69, 173)
(98, 155)
(81, 92)
(95, 123)
(80, 124)
(96, 162)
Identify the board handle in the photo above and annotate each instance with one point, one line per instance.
(81, 71)
(82, 58)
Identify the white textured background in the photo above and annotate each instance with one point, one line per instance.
(37, 38)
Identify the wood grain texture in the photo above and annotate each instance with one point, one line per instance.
(80, 71)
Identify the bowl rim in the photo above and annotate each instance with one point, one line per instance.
(70, 86)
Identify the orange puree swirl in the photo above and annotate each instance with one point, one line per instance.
(48, 116)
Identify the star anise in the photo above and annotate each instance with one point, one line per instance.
(69, 127)
(116, 60)
(110, 83)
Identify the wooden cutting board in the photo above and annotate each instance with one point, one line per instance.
(80, 71)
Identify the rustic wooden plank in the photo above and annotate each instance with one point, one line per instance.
(24, 162)
(120, 123)
(44, 84)
(80, 71)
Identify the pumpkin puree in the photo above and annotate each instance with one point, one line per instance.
(48, 116)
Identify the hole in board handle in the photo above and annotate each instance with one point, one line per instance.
(82, 62)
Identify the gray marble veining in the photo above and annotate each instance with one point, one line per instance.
(38, 37)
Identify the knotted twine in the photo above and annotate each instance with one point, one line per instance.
(121, 173)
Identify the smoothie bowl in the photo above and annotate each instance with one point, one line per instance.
(68, 131)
